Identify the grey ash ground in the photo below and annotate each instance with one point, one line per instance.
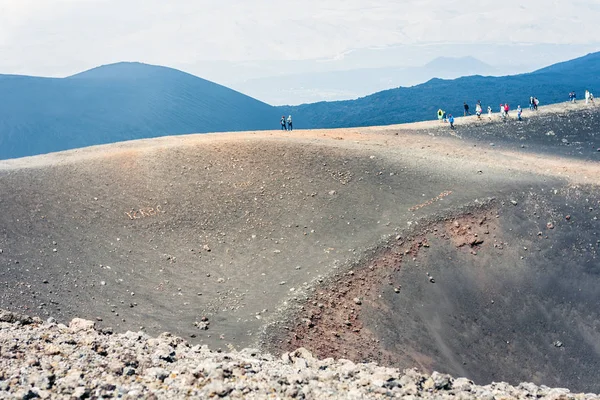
(501, 293)
(248, 240)
(567, 133)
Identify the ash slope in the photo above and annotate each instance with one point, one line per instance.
(186, 233)
(513, 288)
(225, 227)
(502, 293)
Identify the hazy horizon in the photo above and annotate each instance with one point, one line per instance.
(236, 44)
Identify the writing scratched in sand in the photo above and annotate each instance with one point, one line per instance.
(242, 185)
(431, 201)
(144, 212)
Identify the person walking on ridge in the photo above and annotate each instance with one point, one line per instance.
(531, 103)
(506, 110)
(451, 120)
(490, 112)
(536, 102)
(519, 112)
(587, 96)
(289, 123)
(440, 115)
(502, 110)
(283, 127)
(466, 106)
(478, 109)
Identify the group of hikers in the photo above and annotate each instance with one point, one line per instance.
(505, 108)
(286, 124)
(589, 97)
(533, 103)
(504, 111)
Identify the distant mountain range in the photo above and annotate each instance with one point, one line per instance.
(351, 84)
(128, 101)
(421, 102)
(118, 102)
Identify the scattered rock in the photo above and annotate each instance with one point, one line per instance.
(81, 393)
(381, 379)
(203, 324)
(15, 318)
(78, 325)
(218, 389)
(157, 373)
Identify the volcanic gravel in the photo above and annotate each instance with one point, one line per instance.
(49, 360)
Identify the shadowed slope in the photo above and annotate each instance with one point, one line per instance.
(505, 292)
(118, 102)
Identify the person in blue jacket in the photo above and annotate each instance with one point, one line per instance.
(451, 120)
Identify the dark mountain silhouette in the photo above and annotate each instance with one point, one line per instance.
(118, 102)
(585, 65)
(127, 101)
(421, 102)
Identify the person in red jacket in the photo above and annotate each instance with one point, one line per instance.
(506, 109)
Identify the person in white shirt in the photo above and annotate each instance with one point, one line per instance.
(478, 110)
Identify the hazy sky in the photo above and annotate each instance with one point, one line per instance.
(206, 37)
